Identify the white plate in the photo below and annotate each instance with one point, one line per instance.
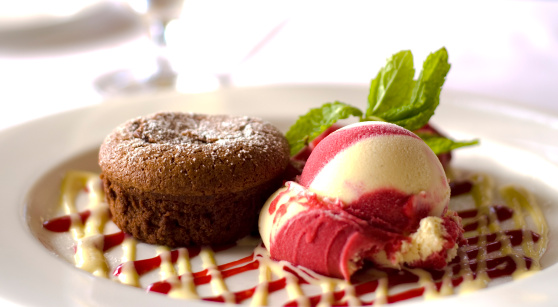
(517, 146)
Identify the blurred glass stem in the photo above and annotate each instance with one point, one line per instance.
(156, 15)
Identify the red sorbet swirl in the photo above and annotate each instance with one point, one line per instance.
(334, 240)
(369, 191)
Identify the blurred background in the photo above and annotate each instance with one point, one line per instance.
(59, 55)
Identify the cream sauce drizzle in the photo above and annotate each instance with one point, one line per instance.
(185, 288)
(89, 236)
(129, 275)
(261, 293)
(483, 197)
(90, 256)
(524, 205)
(217, 282)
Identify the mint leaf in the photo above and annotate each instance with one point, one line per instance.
(394, 96)
(393, 85)
(440, 144)
(316, 121)
(425, 97)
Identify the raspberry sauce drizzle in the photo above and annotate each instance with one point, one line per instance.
(64, 223)
(495, 267)
(202, 277)
(476, 259)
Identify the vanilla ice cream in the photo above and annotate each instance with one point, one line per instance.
(371, 191)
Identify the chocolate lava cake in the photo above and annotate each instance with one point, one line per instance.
(185, 179)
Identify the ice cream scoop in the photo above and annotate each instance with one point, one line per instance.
(371, 191)
(379, 171)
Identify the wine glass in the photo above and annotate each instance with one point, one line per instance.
(159, 73)
(211, 38)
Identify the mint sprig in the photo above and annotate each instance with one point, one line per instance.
(395, 97)
(316, 121)
(440, 145)
(393, 85)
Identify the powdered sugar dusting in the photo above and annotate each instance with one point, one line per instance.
(189, 133)
(203, 143)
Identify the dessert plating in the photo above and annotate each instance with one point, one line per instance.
(487, 238)
(497, 244)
